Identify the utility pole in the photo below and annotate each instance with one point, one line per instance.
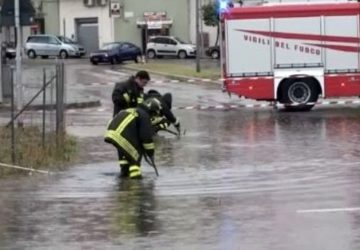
(197, 9)
(18, 57)
(1, 65)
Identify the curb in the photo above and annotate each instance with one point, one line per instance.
(180, 77)
(227, 107)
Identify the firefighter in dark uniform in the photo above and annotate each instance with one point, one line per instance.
(166, 116)
(131, 132)
(126, 95)
(130, 93)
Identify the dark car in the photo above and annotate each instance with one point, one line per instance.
(116, 52)
(10, 49)
(213, 52)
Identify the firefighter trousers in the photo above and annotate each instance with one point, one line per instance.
(129, 167)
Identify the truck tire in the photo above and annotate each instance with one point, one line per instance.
(300, 94)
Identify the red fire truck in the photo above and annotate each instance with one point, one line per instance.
(292, 53)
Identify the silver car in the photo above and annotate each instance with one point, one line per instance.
(50, 45)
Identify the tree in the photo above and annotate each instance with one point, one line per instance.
(210, 17)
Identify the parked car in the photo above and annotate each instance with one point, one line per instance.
(213, 52)
(50, 45)
(169, 46)
(9, 49)
(116, 52)
(66, 40)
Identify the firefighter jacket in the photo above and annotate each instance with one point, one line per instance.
(131, 131)
(127, 95)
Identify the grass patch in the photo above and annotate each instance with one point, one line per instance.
(176, 69)
(30, 152)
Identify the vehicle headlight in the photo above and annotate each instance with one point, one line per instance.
(106, 55)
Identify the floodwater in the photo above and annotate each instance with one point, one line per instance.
(242, 179)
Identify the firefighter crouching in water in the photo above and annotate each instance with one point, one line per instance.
(129, 94)
(131, 132)
(166, 116)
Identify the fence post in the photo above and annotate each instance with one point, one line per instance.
(1, 72)
(60, 129)
(44, 108)
(13, 153)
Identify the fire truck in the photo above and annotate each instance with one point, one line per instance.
(292, 53)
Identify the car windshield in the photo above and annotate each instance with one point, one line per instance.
(180, 41)
(109, 46)
(66, 40)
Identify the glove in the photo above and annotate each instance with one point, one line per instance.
(162, 125)
(156, 120)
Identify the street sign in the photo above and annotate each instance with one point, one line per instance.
(115, 9)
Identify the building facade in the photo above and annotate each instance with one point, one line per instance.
(139, 20)
(96, 22)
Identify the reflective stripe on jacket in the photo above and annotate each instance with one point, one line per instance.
(131, 131)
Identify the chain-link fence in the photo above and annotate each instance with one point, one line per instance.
(39, 122)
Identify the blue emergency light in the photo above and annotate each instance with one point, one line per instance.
(224, 5)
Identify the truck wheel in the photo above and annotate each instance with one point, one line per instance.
(300, 94)
(182, 54)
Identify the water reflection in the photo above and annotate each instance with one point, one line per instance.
(236, 179)
(134, 214)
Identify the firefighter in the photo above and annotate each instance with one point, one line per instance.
(166, 116)
(131, 132)
(130, 93)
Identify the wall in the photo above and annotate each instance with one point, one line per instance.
(208, 29)
(70, 10)
(177, 10)
(51, 15)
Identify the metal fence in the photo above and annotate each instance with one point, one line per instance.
(43, 102)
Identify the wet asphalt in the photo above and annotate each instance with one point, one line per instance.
(238, 179)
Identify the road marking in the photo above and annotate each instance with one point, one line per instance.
(116, 72)
(329, 210)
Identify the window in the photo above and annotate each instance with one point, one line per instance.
(52, 40)
(65, 40)
(38, 39)
(159, 40)
(172, 42)
(110, 46)
(180, 41)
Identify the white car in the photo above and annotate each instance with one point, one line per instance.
(169, 46)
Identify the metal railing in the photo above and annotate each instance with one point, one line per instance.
(52, 79)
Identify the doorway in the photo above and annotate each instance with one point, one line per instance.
(87, 33)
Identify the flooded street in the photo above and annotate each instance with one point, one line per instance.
(238, 179)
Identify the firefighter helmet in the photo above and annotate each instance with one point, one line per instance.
(153, 105)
